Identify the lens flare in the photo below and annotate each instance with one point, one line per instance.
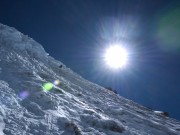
(47, 86)
(56, 82)
(23, 94)
(168, 32)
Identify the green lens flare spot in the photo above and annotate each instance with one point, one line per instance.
(47, 86)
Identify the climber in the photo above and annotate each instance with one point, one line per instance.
(60, 66)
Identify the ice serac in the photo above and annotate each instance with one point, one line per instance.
(74, 107)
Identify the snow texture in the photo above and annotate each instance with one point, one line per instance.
(75, 107)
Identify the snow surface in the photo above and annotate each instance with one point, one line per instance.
(75, 107)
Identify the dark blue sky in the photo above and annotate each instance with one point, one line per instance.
(77, 31)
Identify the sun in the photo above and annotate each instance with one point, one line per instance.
(116, 56)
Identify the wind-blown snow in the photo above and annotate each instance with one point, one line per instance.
(75, 107)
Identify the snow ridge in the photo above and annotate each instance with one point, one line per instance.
(75, 107)
(10, 39)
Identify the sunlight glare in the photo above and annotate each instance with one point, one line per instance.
(116, 57)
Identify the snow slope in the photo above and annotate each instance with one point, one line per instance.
(75, 107)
